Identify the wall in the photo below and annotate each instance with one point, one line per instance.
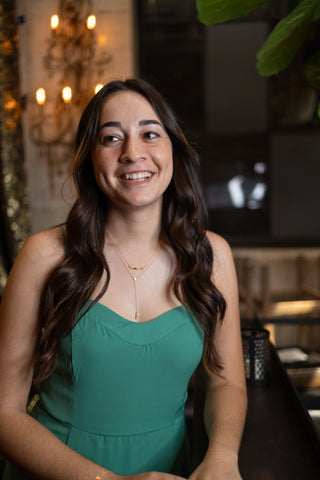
(50, 192)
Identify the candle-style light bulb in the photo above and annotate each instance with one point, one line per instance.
(41, 96)
(98, 87)
(54, 22)
(66, 94)
(91, 22)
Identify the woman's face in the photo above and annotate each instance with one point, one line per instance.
(132, 153)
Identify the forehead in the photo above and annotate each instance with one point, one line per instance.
(127, 105)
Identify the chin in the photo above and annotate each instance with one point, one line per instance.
(144, 202)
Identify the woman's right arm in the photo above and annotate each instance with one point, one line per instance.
(23, 440)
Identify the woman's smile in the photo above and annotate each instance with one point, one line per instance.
(137, 177)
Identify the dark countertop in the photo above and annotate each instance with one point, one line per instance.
(279, 441)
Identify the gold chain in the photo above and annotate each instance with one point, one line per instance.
(130, 267)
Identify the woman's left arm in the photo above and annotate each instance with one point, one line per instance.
(226, 399)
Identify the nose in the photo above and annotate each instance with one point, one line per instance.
(132, 151)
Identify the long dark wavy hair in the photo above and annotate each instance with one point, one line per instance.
(184, 223)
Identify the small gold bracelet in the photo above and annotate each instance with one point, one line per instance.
(98, 477)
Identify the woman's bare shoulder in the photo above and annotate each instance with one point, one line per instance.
(219, 245)
(223, 264)
(38, 257)
(44, 249)
(45, 242)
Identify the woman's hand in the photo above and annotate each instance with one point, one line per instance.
(151, 476)
(217, 469)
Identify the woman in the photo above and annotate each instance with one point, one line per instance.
(112, 313)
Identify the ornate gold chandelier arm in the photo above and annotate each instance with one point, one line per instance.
(71, 55)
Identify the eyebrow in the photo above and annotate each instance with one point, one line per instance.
(142, 123)
(149, 122)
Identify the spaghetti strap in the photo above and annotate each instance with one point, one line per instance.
(64, 239)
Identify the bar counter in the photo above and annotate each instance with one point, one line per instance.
(279, 441)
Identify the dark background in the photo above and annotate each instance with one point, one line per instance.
(259, 138)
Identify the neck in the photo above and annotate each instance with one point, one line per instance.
(141, 227)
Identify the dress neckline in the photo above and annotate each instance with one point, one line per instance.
(158, 317)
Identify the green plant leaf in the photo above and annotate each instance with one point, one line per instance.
(318, 110)
(285, 39)
(218, 11)
(312, 70)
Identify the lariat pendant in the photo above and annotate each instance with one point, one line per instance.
(136, 315)
(130, 267)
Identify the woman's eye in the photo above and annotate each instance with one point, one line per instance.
(150, 135)
(109, 139)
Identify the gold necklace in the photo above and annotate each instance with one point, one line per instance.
(130, 267)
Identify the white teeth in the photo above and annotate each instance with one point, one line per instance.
(137, 176)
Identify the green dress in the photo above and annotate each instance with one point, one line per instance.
(118, 393)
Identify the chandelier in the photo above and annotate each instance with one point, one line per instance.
(72, 58)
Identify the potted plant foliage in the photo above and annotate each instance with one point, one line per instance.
(285, 40)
